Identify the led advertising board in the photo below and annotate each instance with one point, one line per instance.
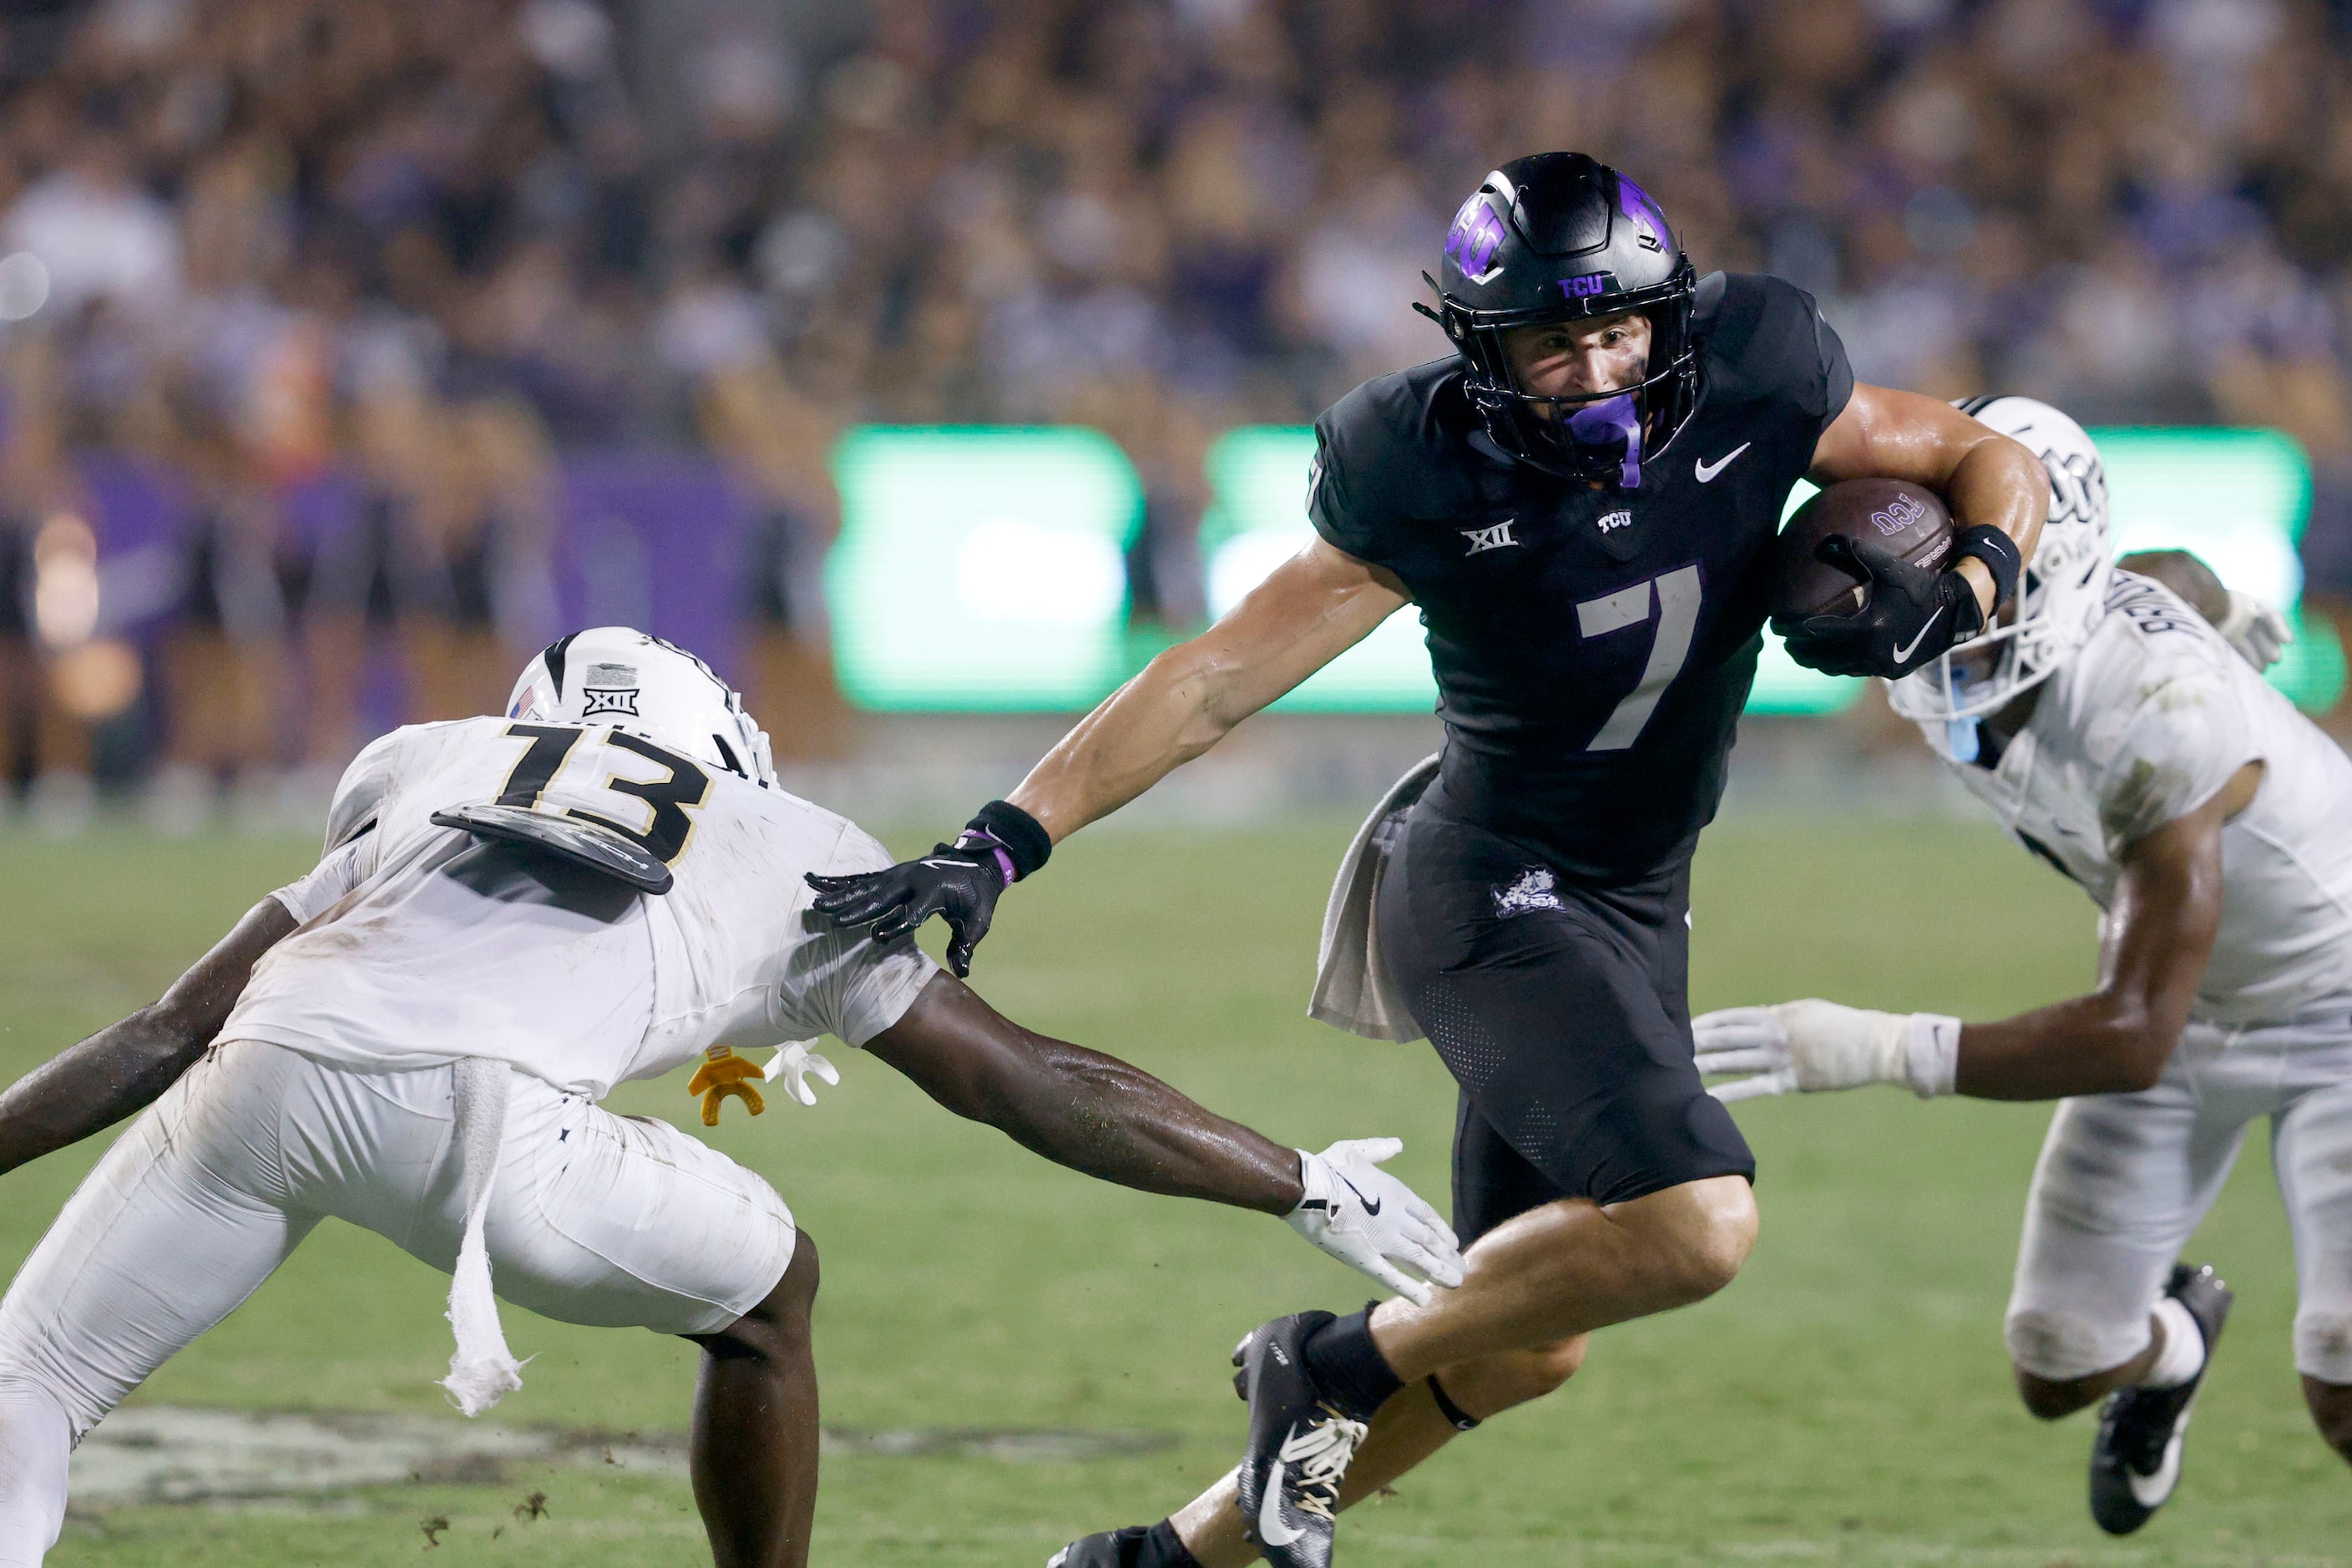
(984, 569)
(980, 569)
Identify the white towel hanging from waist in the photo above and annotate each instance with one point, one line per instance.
(1353, 988)
(482, 1370)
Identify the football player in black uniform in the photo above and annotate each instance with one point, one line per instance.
(1579, 503)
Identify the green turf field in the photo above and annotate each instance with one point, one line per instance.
(1845, 1401)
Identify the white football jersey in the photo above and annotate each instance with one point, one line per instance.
(420, 943)
(2143, 726)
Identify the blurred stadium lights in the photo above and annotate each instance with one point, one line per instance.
(982, 569)
(94, 677)
(96, 680)
(65, 582)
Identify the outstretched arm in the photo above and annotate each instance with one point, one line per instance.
(2160, 931)
(1079, 1108)
(1308, 611)
(90, 1087)
(1109, 1120)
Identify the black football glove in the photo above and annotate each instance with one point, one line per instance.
(960, 882)
(1912, 617)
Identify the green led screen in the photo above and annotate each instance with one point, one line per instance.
(983, 569)
(1256, 520)
(2238, 498)
(980, 569)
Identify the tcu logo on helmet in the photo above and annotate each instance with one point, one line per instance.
(1477, 235)
(1586, 286)
(1650, 224)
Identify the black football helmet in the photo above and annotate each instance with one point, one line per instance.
(1559, 237)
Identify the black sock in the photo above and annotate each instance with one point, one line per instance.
(1163, 1548)
(1347, 1367)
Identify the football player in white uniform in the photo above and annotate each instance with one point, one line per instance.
(513, 915)
(2118, 733)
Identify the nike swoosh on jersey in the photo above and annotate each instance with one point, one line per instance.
(1271, 1531)
(1706, 470)
(1907, 650)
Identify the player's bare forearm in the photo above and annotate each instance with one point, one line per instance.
(1307, 612)
(2105, 1043)
(2160, 932)
(1163, 717)
(1983, 476)
(1081, 1108)
(90, 1086)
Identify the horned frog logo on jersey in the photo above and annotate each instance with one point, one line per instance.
(609, 689)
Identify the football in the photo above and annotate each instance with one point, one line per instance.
(1910, 518)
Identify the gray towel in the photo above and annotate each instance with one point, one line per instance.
(1353, 988)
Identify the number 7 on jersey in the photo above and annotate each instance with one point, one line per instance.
(1678, 601)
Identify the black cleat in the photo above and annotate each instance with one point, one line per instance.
(2136, 1458)
(1299, 1445)
(1111, 1549)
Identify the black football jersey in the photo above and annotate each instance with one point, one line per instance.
(1592, 647)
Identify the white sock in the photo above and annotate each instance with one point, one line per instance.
(2183, 1356)
(35, 1438)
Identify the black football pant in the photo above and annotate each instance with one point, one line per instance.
(1562, 1008)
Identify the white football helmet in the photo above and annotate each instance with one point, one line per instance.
(654, 689)
(2064, 590)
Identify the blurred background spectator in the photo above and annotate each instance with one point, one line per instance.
(311, 306)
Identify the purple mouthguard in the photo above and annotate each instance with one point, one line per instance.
(1613, 422)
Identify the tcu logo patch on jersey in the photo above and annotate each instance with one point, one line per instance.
(1610, 521)
(609, 689)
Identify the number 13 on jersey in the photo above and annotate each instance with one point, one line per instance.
(650, 812)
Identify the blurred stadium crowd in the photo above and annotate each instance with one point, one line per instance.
(431, 248)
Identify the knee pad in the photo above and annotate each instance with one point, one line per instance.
(2059, 1347)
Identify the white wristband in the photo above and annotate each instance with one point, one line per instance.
(1934, 1051)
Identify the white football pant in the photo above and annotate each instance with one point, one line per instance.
(593, 1218)
(2124, 1179)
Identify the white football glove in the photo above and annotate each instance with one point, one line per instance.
(1805, 1046)
(796, 1064)
(2257, 632)
(1369, 1220)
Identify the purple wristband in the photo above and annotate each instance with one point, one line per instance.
(994, 846)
